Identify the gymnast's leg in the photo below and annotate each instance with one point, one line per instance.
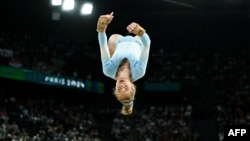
(112, 43)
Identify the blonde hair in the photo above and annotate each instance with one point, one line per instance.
(127, 109)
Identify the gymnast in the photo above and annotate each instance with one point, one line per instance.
(124, 59)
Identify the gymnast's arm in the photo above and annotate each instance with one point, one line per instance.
(145, 47)
(140, 33)
(102, 24)
(102, 39)
(144, 55)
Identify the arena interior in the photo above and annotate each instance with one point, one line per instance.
(53, 88)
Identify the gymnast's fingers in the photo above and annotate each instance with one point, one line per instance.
(131, 27)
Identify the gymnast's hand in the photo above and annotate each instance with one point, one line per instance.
(108, 17)
(103, 22)
(136, 29)
(131, 27)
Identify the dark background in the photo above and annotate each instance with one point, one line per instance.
(193, 24)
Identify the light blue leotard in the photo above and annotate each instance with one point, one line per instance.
(134, 48)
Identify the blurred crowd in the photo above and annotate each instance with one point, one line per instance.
(228, 72)
(51, 54)
(231, 77)
(41, 119)
(156, 123)
(167, 66)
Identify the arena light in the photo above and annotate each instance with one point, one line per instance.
(86, 8)
(56, 2)
(68, 5)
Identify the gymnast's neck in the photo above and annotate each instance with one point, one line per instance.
(124, 70)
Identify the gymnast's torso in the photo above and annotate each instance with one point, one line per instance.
(133, 48)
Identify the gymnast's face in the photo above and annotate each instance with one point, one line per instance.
(123, 89)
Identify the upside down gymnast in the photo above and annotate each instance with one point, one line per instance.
(124, 59)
